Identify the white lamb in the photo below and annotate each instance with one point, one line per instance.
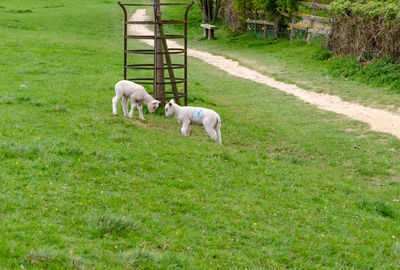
(137, 94)
(195, 116)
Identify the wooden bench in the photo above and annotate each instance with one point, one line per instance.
(209, 30)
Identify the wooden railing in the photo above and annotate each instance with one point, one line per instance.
(311, 23)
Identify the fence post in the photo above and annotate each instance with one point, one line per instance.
(292, 30)
(276, 26)
(314, 13)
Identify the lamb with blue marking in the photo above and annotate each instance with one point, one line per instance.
(195, 116)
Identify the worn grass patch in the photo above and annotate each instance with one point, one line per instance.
(34, 257)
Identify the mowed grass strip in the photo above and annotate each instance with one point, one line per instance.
(292, 186)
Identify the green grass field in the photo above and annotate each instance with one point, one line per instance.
(308, 66)
(292, 186)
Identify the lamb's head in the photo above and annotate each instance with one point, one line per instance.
(169, 108)
(152, 106)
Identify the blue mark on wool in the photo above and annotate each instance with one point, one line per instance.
(196, 115)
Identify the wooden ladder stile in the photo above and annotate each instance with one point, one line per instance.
(167, 55)
(158, 65)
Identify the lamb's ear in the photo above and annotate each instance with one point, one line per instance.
(172, 101)
(155, 101)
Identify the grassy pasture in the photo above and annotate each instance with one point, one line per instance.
(308, 66)
(292, 186)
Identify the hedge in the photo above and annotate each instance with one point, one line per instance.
(367, 29)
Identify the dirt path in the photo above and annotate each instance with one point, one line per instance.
(379, 120)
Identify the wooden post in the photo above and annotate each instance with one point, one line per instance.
(293, 31)
(265, 26)
(276, 26)
(167, 57)
(211, 34)
(159, 87)
(314, 13)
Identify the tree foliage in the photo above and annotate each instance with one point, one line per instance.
(248, 8)
(271, 6)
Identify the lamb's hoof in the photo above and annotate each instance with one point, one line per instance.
(129, 115)
(141, 118)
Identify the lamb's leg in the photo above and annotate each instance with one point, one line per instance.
(115, 101)
(124, 103)
(133, 106)
(209, 127)
(185, 130)
(218, 131)
(140, 108)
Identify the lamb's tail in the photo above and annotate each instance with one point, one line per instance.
(218, 129)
